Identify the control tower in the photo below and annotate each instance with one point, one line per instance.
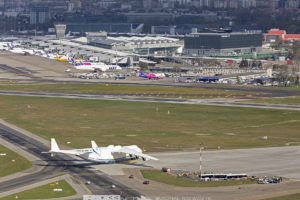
(60, 30)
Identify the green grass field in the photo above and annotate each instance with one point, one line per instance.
(162, 177)
(45, 192)
(110, 88)
(288, 197)
(154, 126)
(12, 162)
(287, 100)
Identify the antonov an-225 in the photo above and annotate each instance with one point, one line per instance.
(109, 154)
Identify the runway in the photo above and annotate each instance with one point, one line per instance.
(120, 97)
(61, 164)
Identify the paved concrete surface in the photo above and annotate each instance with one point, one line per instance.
(162, 191)
(59, 165)
(32, 66)
(212, 102)
(277, 161)
(37, 69)
(79, 188)
(282, 161)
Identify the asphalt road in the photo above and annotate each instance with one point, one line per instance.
(122, 97)
(61, 164)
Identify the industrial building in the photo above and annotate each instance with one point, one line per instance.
(275, 35)
(143, 45)
(39, 15)
(222, 44)
(77, 49)
(173, 30)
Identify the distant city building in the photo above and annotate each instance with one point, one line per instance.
(39, 15)
(174, 30)
(82, 28)
(215, 44)
(93, 37)
(147, 4)
(106, 3)
(149, 16)
(275, 35)
(161, 29)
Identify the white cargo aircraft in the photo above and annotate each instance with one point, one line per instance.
(109, 154)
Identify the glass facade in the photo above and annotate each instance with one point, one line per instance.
(222, 41)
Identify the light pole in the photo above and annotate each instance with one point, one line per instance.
(200, 160)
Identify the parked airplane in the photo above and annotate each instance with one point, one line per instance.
(66, 59)
(62, 59)
(3, 46)
(109, 154)
(12, 48)
(149, 76)
(93, 66)
(75, 62)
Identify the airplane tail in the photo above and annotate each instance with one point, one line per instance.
(10, 46)
(57, 58)
(54, 146)
(94, 145)
(73, 62)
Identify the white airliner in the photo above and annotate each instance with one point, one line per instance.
(109, 154)
(3, 46)
(12, 48)
(88, 66)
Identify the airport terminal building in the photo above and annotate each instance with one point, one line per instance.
(222, 44)
(142, 45)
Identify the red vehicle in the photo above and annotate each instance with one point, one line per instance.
(146, 182)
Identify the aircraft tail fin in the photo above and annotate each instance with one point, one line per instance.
(94, 145)
(10, 45)
(54, 146)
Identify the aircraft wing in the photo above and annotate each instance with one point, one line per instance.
(73, 152)
(134, 153)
